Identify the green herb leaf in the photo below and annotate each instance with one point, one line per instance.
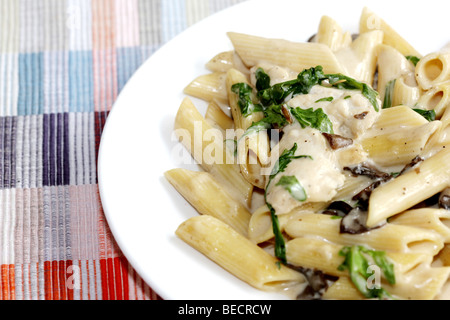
(413, 59)
(245, 102)
(293, 186)
(302, 85)
(280, 166)
(316, 119)
(430, 115)
(328, 99)
(262, 80)
(341, 81)
(273, 117)
(389, 94)
(285, 159)
(357, 264)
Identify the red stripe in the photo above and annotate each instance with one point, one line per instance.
(126, 288)
(63, 279)
(118, 278)
(47, 280)
(104, 274)
(110, 279)
(54, 279)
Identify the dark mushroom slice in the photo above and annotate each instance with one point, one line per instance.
(444, 199)
(336, 141)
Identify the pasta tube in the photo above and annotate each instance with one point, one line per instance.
(293, 55)
(402, 193)
(207, 196)
(192, 129)
(238, 255)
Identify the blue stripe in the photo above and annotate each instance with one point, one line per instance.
(128, 61)
(173, 18)
(81, 81)
(31, 88)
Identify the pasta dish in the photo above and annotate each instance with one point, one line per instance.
(325, 164)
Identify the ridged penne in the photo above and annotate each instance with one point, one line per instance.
(252, 150)
(313, 253)
(293, 55)
(429, 178)
(389, 237)
(192, 129)
(208, 197)
(433, 69)
(391, 66)
(360, 58)
(406, 91)
(398, 146)
(331, 34)
(218, 117)
(208, 87)
(224, 61)
(427, 218)
(238, 255)
(370, 21)
(437, 98)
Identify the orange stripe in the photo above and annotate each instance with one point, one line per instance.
(4, 280)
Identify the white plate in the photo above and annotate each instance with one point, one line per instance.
(142, 209)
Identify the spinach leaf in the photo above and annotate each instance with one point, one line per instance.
(245, 102)
(357, 264)
(430, 115)
(341, 81)
(280, 166)
(293, 186)
(327, 99)
(316, 119)
(389, 94)
(413, 59)
(302, 85)
(273, 117)
(262, 80)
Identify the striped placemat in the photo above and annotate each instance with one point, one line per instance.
(62, 65)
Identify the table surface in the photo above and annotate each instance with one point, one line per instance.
(62, 65)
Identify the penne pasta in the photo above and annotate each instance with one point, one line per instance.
(370, 21)
(238, 255)
(392, 237)
(398, 146)
(331, 34)
(433, 69)
(402, 193)
(437, 98)
(360, 58)
(209, 87)
(191, 128)
(252, 150)
(427, 218)
(208, 197)
(293, 55)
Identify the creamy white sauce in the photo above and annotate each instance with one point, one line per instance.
(319, 176)
(345, 111)
(351, 115)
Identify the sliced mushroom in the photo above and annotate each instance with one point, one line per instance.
(336, 141)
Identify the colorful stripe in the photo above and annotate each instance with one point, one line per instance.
(62, 66)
